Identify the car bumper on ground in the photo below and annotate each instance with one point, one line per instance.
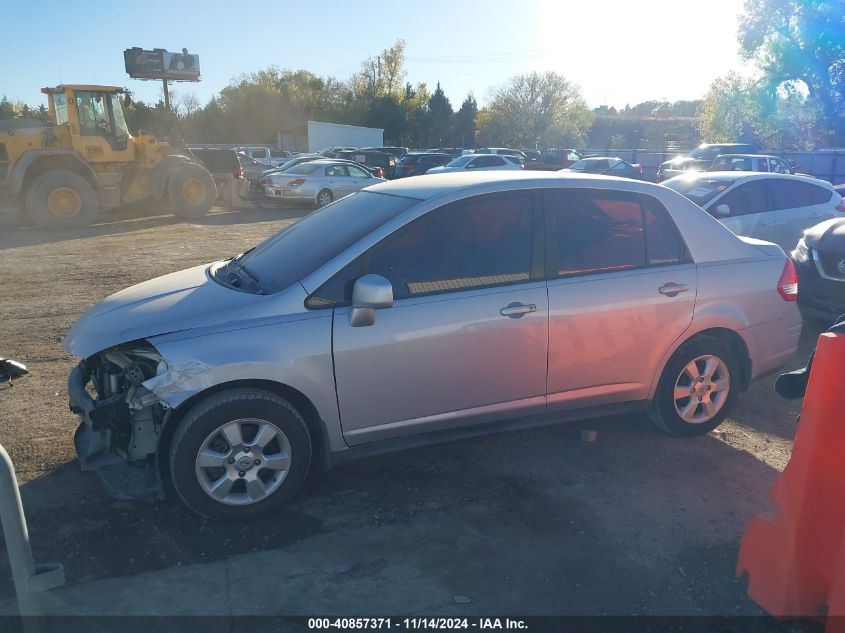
(92, 440)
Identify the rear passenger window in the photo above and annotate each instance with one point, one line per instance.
(594, 233)
(663, 245)
(819, 195)
(789, 194)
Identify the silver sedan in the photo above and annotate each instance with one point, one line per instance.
(422, 308)
(318, 182)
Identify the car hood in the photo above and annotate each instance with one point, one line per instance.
(827, 236)
(178, 301)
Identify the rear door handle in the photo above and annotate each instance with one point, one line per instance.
(516, 310)
(672, 289)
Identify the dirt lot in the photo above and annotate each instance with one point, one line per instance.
(528, 522)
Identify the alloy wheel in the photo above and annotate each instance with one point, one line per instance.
(702, 389)
(243, 461)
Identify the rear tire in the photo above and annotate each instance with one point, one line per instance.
(697, 388)
(191, 191)
(325, 197)
(61, 199)
(206, 431)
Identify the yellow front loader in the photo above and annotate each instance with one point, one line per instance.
(86, 160)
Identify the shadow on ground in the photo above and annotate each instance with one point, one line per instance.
(533, 522)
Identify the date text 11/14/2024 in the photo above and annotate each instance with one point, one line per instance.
(418, 623)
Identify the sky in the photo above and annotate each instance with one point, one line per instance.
(619, 51)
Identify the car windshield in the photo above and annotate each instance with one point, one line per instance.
(699, 190)
(705, 153)
(298, 250)
(459, 162)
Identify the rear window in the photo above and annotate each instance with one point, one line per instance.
(409, 159)
(218, 161)
(699, 190)
(303, 169)
(819, 195)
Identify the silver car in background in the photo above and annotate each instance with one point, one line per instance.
(318, 182)
(416, 310)
(773, 207)
(479, 162)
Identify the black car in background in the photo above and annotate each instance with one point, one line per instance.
(372, 159)
(820, 262)
(416, 163)
(533, 158)
(398, 152)
(609, 166)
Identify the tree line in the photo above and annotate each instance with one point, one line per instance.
(796, 100)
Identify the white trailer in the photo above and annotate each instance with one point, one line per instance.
(323, 135)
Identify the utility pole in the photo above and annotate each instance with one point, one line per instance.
(166, 94)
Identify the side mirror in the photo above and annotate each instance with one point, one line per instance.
(370, 293)
(10, 371)
(723, 210)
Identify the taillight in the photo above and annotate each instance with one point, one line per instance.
(379, 173)
(841, 207)
(296, 182)
(788, 282)
(239, 173)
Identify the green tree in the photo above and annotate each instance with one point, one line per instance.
(464, 125)
(440, 111)
(730, 110)
(800, 40)
(536, 110)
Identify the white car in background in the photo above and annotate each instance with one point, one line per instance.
(478, 162)
(773, 207)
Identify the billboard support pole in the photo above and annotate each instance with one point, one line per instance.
(166, 94)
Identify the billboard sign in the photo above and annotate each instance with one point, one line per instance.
(161, 64)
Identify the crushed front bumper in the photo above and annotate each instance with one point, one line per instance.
(122, 479)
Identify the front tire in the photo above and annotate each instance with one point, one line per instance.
(61, 199)
(697, 388)
(191, 191)
(240, 454)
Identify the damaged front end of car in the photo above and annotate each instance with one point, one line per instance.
(121, 418)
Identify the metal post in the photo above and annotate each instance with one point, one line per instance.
(28, 577)
(166, 94)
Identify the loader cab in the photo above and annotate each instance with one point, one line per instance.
(94, 120)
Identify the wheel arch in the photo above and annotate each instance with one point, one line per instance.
(35, 162)
(321, 456)
(732, 337)
(163, 171)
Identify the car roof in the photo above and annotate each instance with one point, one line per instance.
(601, 158)
(749, 156)
(432, 185)
(723, 176)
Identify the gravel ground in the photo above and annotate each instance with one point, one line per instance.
(534, 521)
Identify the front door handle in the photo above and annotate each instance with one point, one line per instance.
(516, 310)
(671, 289)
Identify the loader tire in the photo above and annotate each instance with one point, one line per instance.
(191, 191)
(60, 199)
